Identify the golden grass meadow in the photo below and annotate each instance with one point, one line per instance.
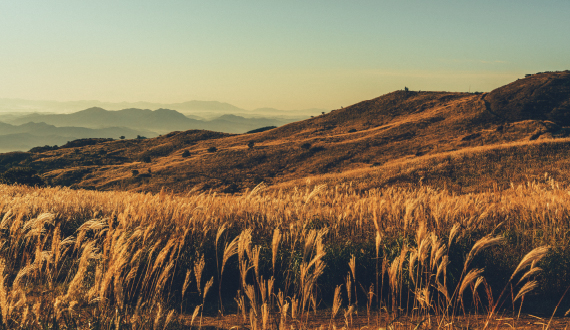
(284, 165)
(312, 256)
(413, 210)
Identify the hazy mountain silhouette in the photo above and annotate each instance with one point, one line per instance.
(161, 121)
(14, 105)
(237, 124)
(192, 109)
(26, 136)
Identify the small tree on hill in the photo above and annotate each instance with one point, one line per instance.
(186, 153)
(306, 146)
(250, 144)
(212, 149)
(122, 137)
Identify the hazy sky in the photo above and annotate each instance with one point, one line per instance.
(284, 54)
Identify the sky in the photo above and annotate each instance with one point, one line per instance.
(284, 54)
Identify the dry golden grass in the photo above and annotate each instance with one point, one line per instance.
(79, 257)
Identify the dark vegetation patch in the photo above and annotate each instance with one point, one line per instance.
(13, 159)
(261, 129)
(471, 137)
(85, 142)
(43, 149)
(21, 175)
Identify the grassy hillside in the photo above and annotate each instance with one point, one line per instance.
(468, 170)
(403, 127)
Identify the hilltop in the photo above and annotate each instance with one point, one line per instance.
(463, 140)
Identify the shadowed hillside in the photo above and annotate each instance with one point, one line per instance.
(403, 127)
(543, 96)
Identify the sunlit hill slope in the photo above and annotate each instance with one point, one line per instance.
(465, 141)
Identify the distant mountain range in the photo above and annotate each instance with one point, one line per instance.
(160, 121)
(193, 109)
(38, 129)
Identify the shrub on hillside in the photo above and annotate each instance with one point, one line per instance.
(212, 149)
(186, 153)
(306, 146)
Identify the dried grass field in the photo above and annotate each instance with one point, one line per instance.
(312, 256)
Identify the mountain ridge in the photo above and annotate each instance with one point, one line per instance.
(189, 108)
(161, 121)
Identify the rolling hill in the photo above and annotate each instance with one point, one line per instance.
(465, 141)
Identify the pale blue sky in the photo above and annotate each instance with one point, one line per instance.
(283, 54)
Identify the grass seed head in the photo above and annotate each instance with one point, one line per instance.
(532, 257)
(483, 243)
(337, 301)
(527, 287)
(468, 279)
(198, 269)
